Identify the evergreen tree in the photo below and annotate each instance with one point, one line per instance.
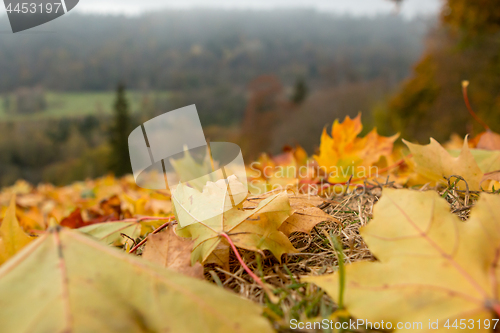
(300, 91)
(120, 130)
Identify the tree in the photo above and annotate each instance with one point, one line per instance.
(463, 47)
(300, 91)
(120, 130)
(473, 18)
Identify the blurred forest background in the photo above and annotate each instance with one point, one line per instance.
(262, 79)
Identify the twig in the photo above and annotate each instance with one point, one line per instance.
(146, 218)
(465, 84)
(395, 165)
(467, 192)
(127, 236)
(232, 276)
(163, 226)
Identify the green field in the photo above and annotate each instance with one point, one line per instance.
(79, 104)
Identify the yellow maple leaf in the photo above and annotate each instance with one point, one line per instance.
(432, 266)
(205, 216)
(68, 282)
(305, 212)
(344, 154)
(432, 163)
(12, 236)
(284, 171)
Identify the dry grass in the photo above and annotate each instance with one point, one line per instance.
(317, 256)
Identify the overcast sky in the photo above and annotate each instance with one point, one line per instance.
(355, 7)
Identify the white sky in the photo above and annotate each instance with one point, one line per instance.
(355, 7)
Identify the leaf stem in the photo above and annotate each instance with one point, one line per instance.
(395, 165)
(160, 228)
(245, 267)
(146, 218)
(465, 84)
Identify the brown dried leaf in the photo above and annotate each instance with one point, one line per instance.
(304, 220)
(220, 256)
(169, 250)
(489, 141)
(306, 213)
(494, 175)
(74, 220)
(111, 207)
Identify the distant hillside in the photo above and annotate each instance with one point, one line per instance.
(208, 57)
(218, 60)
(190, 49)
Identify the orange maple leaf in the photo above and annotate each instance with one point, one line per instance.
(344, 154)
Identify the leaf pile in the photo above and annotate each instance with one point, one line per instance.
(67, 261)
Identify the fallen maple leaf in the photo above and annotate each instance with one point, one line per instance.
(434, 163)
(487, 140)
(494, 175)
(304, 220)
(456, 142)
(432, 266)
(343, 154)
(305, 212)
(108, 210)
(194, 171)
(254, 230)
(68, 282)
(102, 199)
(12, 236)
(284, 171)
(110, 232)
(74, 220)
(111, 207)
(169, 250)
(487, 160)
(219, 256)
(268, 173)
